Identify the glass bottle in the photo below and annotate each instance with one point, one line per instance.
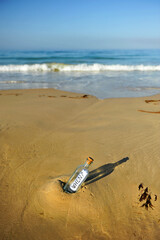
(78, 177)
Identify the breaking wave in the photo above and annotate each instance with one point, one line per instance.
(60, 67)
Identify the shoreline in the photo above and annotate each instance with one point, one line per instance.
(78, 93)
(46, 133)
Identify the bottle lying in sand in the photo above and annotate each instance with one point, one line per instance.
(78, 177)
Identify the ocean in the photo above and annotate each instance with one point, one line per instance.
(102, 73)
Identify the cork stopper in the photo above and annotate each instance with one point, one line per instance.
(90, 160)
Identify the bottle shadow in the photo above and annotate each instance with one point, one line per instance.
(103, 171)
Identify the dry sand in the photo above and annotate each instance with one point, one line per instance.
(45, 134)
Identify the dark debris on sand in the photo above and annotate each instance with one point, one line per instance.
(146, 196)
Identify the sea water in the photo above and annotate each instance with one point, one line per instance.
(102, 73)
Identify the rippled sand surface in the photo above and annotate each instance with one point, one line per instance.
(45, 134)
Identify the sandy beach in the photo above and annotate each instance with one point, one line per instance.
(46, 133)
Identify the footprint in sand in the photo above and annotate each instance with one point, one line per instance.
(14, 94)
(11, 94)
(50, 96)
(79, 97)
(76, 97)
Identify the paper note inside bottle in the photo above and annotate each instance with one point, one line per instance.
(79, 179)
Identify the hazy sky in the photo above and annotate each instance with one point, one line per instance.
(83, 24)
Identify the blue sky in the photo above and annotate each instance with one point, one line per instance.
(83, 24)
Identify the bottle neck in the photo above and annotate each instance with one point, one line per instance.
(86, 165)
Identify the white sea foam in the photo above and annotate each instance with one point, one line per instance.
(55, 67)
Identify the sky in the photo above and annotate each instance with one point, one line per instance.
(79, 24)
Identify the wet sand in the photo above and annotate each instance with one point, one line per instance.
(45, 134)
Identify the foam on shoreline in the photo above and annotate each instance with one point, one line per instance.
(60, 67)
